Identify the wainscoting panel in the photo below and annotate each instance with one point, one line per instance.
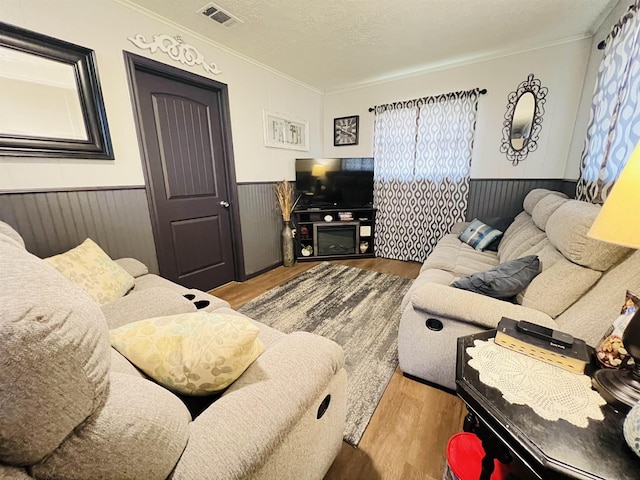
(51, 222)
(261, 225)
(503, 197)
(118, 218)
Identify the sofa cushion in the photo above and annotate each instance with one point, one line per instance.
(545, 208)
(13, 473)
(550, 292)
(192, 353)
(432, 275)
(567, 230)
(546, 253)
(558, 287)
(133, 267)
(120, 364)
(521, 236)
(445, 302)
(140, 432)
(504, 281)
(253, 418)
(590, 317)
(88, 266)
(148, 303)
(9, 233)
(479, 235)
(452, 255)
(54, 357)
(152, 281)
(534, 196)
(516, 225)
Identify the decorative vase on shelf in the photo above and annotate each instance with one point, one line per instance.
(288, 258)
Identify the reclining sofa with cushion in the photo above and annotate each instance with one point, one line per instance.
(72, 407)
(580, 289)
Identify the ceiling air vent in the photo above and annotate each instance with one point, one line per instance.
(217, 14)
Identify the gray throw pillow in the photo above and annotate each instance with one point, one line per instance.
(504, 281)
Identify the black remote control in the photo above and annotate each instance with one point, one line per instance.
(545, 333)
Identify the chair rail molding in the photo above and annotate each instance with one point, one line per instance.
(176, 49)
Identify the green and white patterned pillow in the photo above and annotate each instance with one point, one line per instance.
(195, 353)
(89, 267)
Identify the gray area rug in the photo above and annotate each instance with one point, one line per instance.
(358, 309)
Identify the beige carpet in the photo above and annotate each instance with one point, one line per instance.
(358, 309)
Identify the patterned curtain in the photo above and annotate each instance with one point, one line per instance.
(422, 155)
(614, 124)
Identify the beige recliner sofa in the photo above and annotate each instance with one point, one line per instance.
(72, 407)
(580, 290)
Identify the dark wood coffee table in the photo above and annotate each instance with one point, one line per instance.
(550, 450)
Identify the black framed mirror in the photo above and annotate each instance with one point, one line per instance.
(523, 119)
(51, 99)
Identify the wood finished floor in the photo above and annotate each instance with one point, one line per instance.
(408, 433)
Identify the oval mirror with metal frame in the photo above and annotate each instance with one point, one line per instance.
(522, 122)
(51, 99)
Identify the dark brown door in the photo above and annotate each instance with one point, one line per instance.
(187, 170)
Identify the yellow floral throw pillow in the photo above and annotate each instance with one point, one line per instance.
(89, 267)
(194, 353)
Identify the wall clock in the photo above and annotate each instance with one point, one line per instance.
(345, 131)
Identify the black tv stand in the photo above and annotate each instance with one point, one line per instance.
(332, 233)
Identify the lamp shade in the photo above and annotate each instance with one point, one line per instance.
(319, 171)
(619, 220)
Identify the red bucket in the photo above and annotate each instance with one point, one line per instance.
(464, 459)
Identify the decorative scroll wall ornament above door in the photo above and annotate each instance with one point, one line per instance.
(176, 49)
(523, 119)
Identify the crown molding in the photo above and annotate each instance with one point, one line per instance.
(421, 70)
(603, 17)
(456, 63)
(219, 46)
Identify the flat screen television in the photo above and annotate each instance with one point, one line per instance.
(334, 182)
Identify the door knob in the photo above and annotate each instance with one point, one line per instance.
(224, 203)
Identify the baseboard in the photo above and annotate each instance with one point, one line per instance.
(428, 383)
(260, 272)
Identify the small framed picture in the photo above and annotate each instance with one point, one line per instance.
(283, 131)
(345, 130)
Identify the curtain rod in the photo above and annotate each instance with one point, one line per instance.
(481, 92)
(618, 26)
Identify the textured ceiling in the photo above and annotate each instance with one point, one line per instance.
(337, 44)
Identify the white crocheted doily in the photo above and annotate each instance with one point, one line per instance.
(552, 392)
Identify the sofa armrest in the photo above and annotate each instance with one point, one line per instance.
(465, 306)
(134, 267)
(243, 427)
(148, 303)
